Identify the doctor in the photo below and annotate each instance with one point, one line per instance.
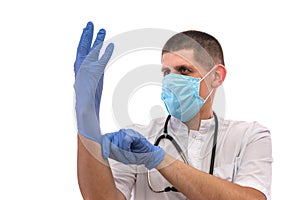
(217, 158)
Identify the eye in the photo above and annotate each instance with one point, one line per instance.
(166, 72)
(183, 70)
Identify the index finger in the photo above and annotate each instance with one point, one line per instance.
(85, 42)
(100, 37)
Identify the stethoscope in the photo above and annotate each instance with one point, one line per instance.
(180, 151)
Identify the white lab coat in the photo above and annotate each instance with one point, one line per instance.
(243, 156)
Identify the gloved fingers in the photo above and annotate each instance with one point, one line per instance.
(85, 42)
(100, 38)
(94, 54)
(84, 45)
(122, 155)
(111, 141)
(119, 155)
(116, 145)
(141, 145)
(130, 139)
(126, 141)
(121, 140)
(107, 54)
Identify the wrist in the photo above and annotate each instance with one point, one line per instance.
(166, 161)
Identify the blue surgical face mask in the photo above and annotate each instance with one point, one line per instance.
(180, 94)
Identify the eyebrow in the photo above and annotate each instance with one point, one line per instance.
(177, 66)
(184, 65)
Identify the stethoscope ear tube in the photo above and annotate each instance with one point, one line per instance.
(166, 124)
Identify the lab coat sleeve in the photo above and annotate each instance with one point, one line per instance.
(124, 176)
(255, 160)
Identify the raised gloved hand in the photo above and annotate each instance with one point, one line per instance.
(89, 70)
(84, 47)
(130, 147)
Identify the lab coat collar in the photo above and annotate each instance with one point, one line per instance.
(178, 126)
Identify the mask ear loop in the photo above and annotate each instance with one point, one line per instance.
(204, 78)
(208, 72)
(208, 95)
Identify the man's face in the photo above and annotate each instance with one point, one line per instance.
(183, 62)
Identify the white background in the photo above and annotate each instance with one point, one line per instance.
(38, 42)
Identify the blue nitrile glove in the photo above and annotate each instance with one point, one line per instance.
(89, 70)
(84, 47)
(130, 147)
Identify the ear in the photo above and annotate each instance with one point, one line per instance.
(218, 76)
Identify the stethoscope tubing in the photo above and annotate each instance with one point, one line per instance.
(165, 135)
(180, 151)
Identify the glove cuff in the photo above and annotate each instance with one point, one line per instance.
(157, 156)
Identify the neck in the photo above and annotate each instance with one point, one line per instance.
(194, 124)
(205, 113)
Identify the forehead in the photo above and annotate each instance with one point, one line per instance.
(184, 55)
(181, 57)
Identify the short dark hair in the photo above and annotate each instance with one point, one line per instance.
(203, 44)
